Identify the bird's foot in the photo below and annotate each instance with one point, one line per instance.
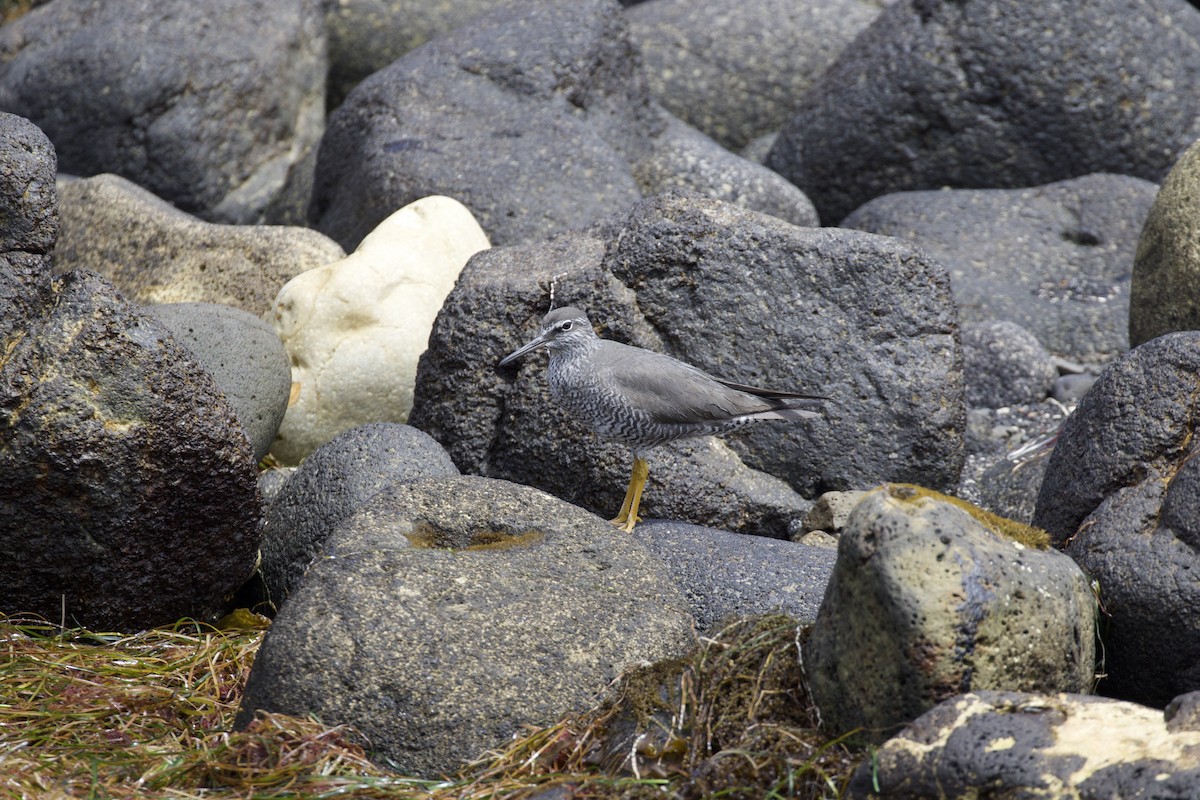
(625, 522)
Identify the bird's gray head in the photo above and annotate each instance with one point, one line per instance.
(563, 329)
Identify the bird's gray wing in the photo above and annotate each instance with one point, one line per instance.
(668, 390)
(774, 394)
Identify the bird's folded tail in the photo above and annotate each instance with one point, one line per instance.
(784, 413)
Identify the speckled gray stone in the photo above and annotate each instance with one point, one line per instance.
(449, 613)
(1120, 495)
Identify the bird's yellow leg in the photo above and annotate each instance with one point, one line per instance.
(628, 516)
(623, 514)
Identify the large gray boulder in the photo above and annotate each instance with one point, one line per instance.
(1001, 94)
(862, 319)
(447, 614)
(1017, 744)
(1120, 495)
(156, 253)
(535, 116)
(734, 70)
(927, 601)
(129, 496)
(206, 105)
(1054, 259)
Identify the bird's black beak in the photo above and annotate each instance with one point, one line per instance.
(522, 350)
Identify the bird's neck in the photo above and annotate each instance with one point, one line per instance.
(565, 357)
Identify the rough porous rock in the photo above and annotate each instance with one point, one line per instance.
(1014, 744)
(450, 613)
(244, 357)
(337, 480)
(204, 104)
(1120, 493)
(725, 574)
(536, 116)
(129, 496)
(1001, 94)
(927, 601)
(734, 70)
(525, 115)
(1004, 364)
(1166, 270)
(864, 320)
(1054, 259)
(354, 329)
(156, 253)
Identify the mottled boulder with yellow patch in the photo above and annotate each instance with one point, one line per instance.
(927, 600)
(1012, 744)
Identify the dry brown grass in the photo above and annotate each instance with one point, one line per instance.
(99, 715)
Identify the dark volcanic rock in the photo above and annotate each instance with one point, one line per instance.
(1054, 259)
(1120, 493)
(129, 496)
(862, 319)
(998, 94)
(535, 116)
(204, 104)
(526, 115)
(28, 221)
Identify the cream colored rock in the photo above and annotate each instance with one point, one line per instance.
(354, 329)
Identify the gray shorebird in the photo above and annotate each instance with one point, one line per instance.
(642, 399)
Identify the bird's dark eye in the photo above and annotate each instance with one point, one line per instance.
(565, 325)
